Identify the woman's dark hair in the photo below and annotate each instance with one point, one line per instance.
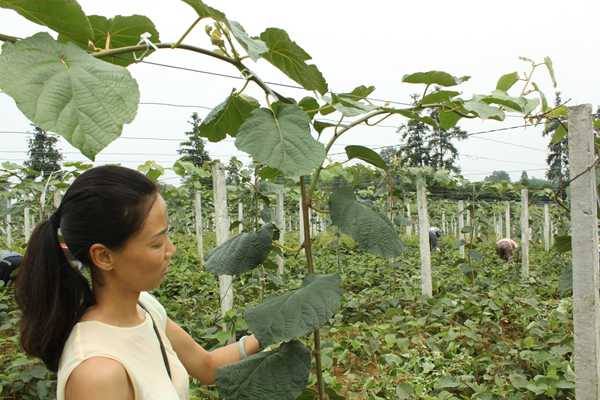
(106, 205)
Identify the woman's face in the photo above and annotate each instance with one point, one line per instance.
(144, 260)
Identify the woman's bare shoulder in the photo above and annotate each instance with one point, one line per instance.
(99, 378)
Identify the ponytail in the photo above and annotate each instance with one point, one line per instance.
(51, 294)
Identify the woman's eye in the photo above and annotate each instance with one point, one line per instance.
(157, 245)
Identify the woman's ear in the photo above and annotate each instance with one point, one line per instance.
(102, 256)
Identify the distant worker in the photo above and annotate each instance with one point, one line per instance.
(434, 235)
(9, 261)
(505, 248)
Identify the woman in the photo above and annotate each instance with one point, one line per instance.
(112, 340)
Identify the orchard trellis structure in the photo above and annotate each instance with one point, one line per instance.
(278, 136)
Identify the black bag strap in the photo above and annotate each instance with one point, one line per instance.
(162, 346)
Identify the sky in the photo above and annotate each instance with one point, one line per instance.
(352, 45)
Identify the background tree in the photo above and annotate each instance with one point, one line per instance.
(44, 157)
(497, 176)
(524, 179)
(415, 151)
(193, 150)
(558, 157)
(233, 170)
(444, 154)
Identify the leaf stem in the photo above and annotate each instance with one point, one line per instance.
(8, 38)
(178, 42)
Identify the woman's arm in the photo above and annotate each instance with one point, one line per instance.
(202, 364)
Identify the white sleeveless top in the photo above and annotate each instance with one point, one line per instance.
(136, 348)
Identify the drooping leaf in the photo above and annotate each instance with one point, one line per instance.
(269, 173)
(121, 31)
(549, 65)
(448, 119)
(205, 11)
(530, 106)
(281, 139)
(291, 59)
(270, 375)
(434, 78)
(63, 16)
(372, 231)
(542, 97)
(321, 125)
(507, 81)
(62, 89)
(562, 244)
(438, 97)
(358, 93)
(309, 105)
(367, 155)
(484, 110)
(559, 134)
(294, 314)
(241, 253)
(227, 117)
(254, 47)
(501, 98)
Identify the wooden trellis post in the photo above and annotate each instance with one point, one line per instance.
(584, 243)
(524, 234)
(507, 220)
(198, 223)
(408, 219)
(9, 241)
(546, 227)
(280, 222)
(26, 223)
(222, 233)
(300, 223)
(241, 216)
(461, 225)
(426, 285)
(444, 222)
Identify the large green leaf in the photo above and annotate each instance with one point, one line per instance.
(294, 314)
(281, 139)
(63, 16)
(227, 117)
(270, 375)
(559, 134)
(503, 99)
(371, 230)
(350, 107)
(434, 78)
(367, 155)
(121, 31)
(205, 11)
(62, 89)
(291, 59)
(358, 93)
(439, 96)
(507, 81)
(310, 105)
(484, 110)
(448, 119)
(549, 65)
(241, 253)
(254, 47)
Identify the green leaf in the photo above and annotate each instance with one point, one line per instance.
(281, 139)
(367, 155)
(349, 107)
(434, 78)
(121, 31)
(151, 169)
(548, 62)
(294, 314)
(269, 173)
(559, 134)
(254, 47)
(530, 106)
(507, 81)
(439, 96)
(448, 119)
(290, 58)
(241, 253)
(358, 93)
(227, 117)
(205, 11)
(62, 89)
(542, 97)
(373, 231)
(321, 125)
(562, 244)
(519, 381)
(484, 110)
(596, 124)
(63, 16)
(269, 375)
(503, 99)
(309, 105)
(446, 382)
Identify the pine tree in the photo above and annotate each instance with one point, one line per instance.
(444, 154)
(415, 150)
(44, 157)
(193, 149)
